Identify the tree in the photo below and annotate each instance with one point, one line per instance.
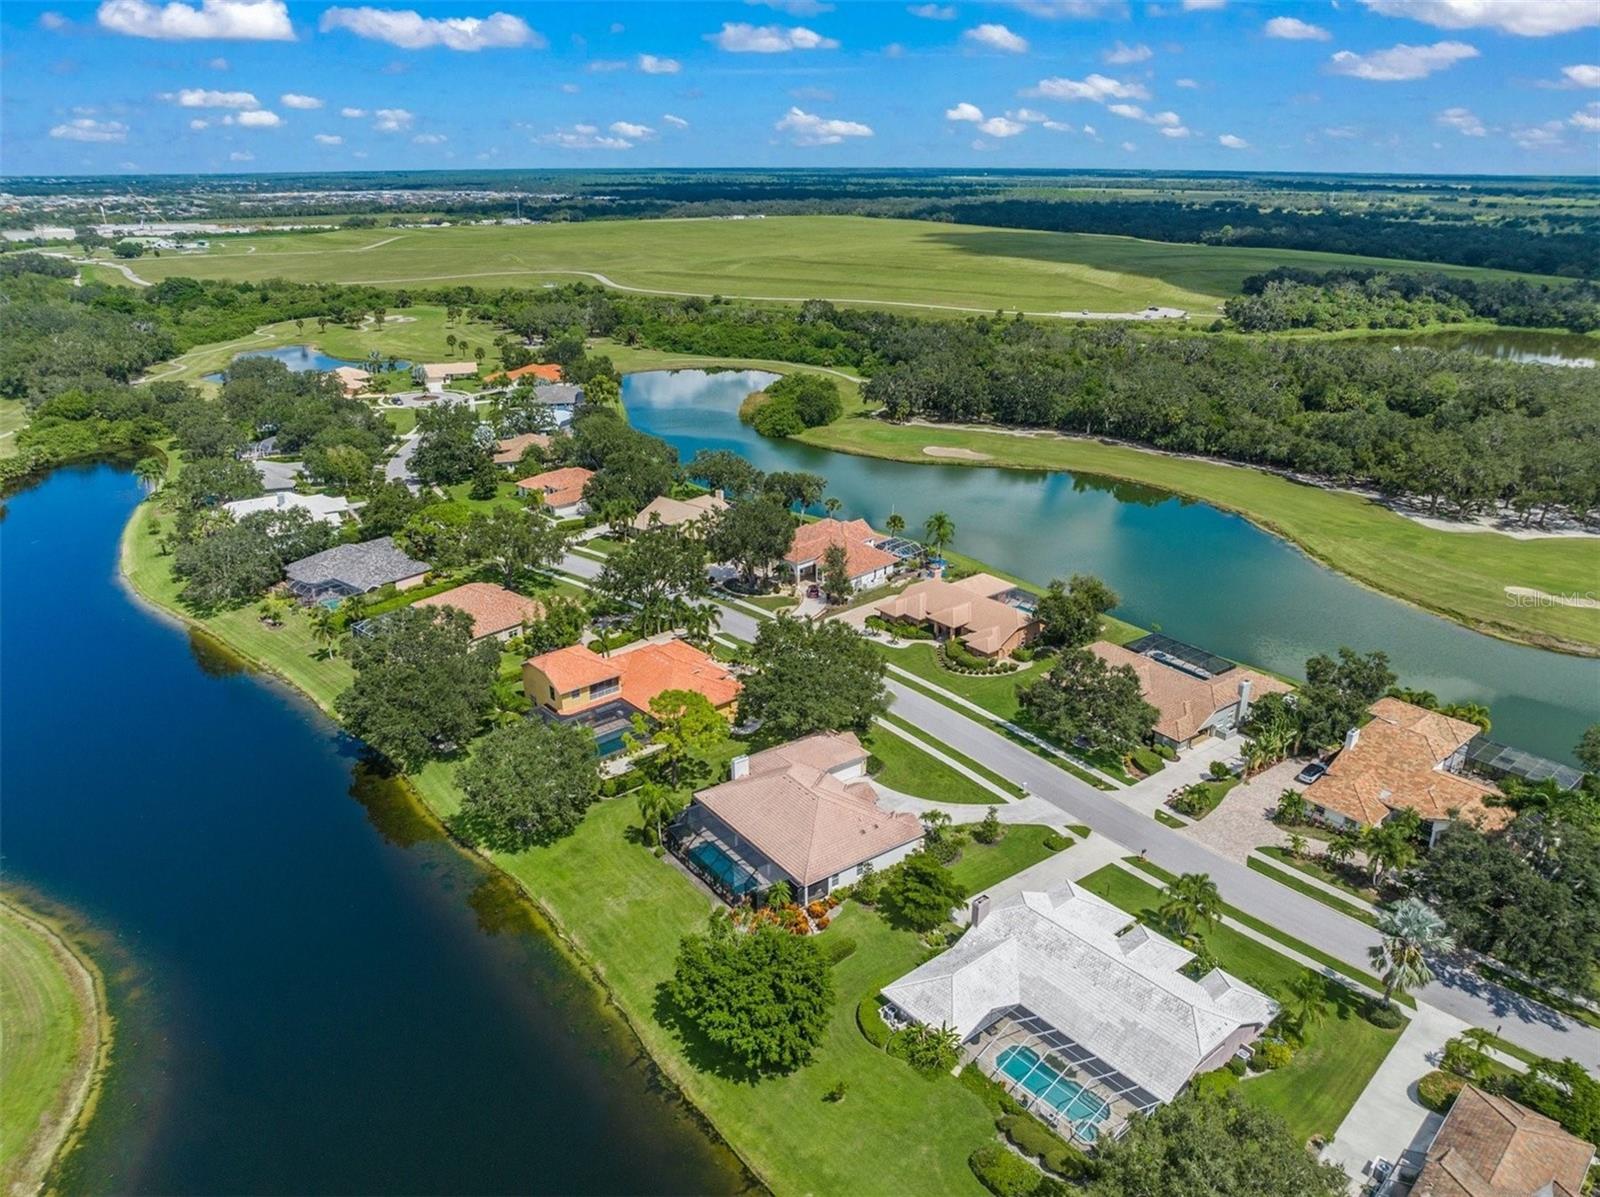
(831, 505)
(515, 543)
(1291, 810)
(1190, 904)
(387, 511)
(812, 677)
(656, 573)
(630, 478)
(486, 479)
(1304, 1000)
(895, 525)
(763, 997)
(1410, 931)
(562, 625)
(921, 892)
(724, 470)
(930, 1050)
(1342, 848)
(150, 473)
(1211, 1145)
(529, 783)
(209, 481)
(448, 446)
(1070, 612)
(602, 389)
(1083, 696)
(1337, 694)
(1389, 849)
(658, 806)
(228, 563)
(751, 534)
(937, 532)
(1588, 748)
(1566, 1091)
(325, 629)
(421, 686)
(791, 487)
(687, 727)
(835, 577)
(520, 411)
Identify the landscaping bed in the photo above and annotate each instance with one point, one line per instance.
(1021, 847)
(1333, 875)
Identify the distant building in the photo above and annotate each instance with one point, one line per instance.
(434, 375)
(866, 563)
(984, 612)
(328, 509)
(1193, 700)
(352, 379)
(509, 451)
(495, 611)
(1489, 1146)
(349, 569)
(674, 513)
(561, 490)
(538, 372)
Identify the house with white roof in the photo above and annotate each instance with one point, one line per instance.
(329, 509)
(1083, 1014)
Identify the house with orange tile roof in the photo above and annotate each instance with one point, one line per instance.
(561, 490)
(1405, 757)
(538, 372)
(509, 450)
(577, 684)
(974, 610)
(1192, 703)
(495, 611)
(867, 564)
(800, 812)
(1491, 1146)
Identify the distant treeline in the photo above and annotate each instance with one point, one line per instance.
(1341, 299)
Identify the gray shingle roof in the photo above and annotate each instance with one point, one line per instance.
(360, 567)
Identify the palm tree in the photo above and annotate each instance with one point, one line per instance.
(325, 629)
(700, 620)
(1304, 1000)
(1190, 903)
(896, 523)
(938, 532)
(1410, 931)
(1256, 756)
(1389, 849)
(149, 471)
(1291, 807)
(658, 806)
(831, 505)
(1343, 847)
(1296, 845)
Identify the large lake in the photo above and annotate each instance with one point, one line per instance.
(315, 991)
(1189, 569)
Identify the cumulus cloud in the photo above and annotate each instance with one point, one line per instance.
(805, 128)
(236, 20)
(328, 139)
(1587, 118)
(354, 114)
(1402, 62)
(1580, 75)
(1132, 112)
(392, 120)
(1293, 29)
(1175, 131)
(411, 30)
(996, 37)
(1462, 121)
(256, 118)
(1128, 147)
(55, 22)
(1098, 88)
(1001, 126)
(1538, 137)
(933, 12)
(1233, 142)
(291, 99)
(795, 8)
(677, 122)
(738, 37)
(87, 129)
(1527, 18)
(241, 156)
(429, 139)
(1203, 5)
(204, 97)
(964, 112)
(651, 65)
(583, 137)
(1029, 115)
(199, 123)
(1121, 54)
(1052, 10)
(633, 132)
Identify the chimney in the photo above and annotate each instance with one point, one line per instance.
(283, 500)
(1351, 737)
(717, 494)
(979, 911)
(1244, 699)
(739, 767)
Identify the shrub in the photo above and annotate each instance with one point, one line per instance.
(835, 948)
(1272, 1055)
(1165, 751)
(1438, 1090)
(988, 830)
(816, 909)
(990, 1092)
(1236, 1065)
(836, 1094)
(1029, 1135)
(1215, 1083)
(1023, 654)
(870, 1019)
(1056, 843)
(622, 783)
(1380, 1014)
(1004, 1173)
(930, 1050)
(1218, 771)
(1146, 761)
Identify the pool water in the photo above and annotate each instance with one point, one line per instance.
(1069, 1098)
(711, 857)
(611, 743)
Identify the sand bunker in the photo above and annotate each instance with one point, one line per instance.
(948, 451)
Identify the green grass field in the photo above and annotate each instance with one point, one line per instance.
(49, 1009)
(1021, 847)
(901, 765)
(13, 419)
(843, 258)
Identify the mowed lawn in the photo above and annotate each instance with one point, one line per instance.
(901, 765)
(1318, 1087)
(1021, 847)
(1462, 575)
(843, 258)
(13, 419)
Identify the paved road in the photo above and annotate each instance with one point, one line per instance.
(398, 467)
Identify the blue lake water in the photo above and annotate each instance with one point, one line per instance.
(316, 991)
(300, 358)
(1181, 566)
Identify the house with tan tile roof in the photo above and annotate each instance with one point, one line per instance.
(495, 611)
(1192, 704)
(801, 812)
(972, 610)
(353, 379)
(1405, 758)
(561, 490)
(1490, 1146)
(673, 513)
(867, 564)
(434, 375)
(509, 450)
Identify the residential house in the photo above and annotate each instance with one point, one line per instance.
(509, 450)
(348, 569)
(1490, 1146)
(256, 450)
(434, 375)
(1405, 758)
(537, 372)
(495, 611)
(1082, 1012)
(561, 490)
(352, 379)
(1195, 694)
(674, 513)
(802, 813)
(278, 475)
(578, 685)
(989, 615)
(867, 564)
(328, 509)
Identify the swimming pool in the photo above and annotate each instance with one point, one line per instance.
(612, 742)
(711, 857)
(1082, 1108)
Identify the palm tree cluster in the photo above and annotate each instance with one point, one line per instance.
(1411, 932)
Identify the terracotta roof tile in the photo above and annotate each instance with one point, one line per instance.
(966, 607)
(493, 608)
(1491, 1146)
(862, 556)
(560, 488)
(645, 669)
(510, 450)
(1186, 703)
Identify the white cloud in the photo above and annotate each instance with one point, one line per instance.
(1188, 84)
(55, 22)
(1052, 10)
(1132, 111)
(737, 37)
(1293, 29)
(199, 123)
(1538, 137)
(1581, 75)
(651, 65)
(795, 8)
(291, 99)
(1462, 121)
(1232, 142)
(677, 122)
(1029, 115)
(1129, 147)
(237, 20)
(583, 137)
(933, 12)
(1400, 62)
(218, 64)
(87, 129)
(328, 139)
(632, 131)
(571, 89)
(241, 156)
(604, 66)
(354, 114)
(1175, 131)
(964, 112)
(1587, 118)
(1121, 54)
(805, 128)
(1168, 120)
(410, 30)
(392, 120)
(1098, 88)
(1203, 5)
(1089, 131)
(256, 118)
(996, 37)
(1529, 18)
(201, 97)
(429, 139)
(1000, 126)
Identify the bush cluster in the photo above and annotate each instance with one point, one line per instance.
(870, 1019)
(1029, 1135)
(1438, 1090)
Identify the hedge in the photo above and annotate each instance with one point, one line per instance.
(870, 1020)
(1056, 843)
(1004, 1173)
(1380, 1015)
(1029, 1135)
(1438, 1090)
(1146, 761)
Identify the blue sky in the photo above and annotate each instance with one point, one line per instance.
(1468, 86)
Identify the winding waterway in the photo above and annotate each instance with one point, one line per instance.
(316, 992)
(1189, 569)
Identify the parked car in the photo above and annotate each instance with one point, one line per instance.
(1310, 773)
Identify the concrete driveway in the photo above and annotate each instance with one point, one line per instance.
(1243, 819)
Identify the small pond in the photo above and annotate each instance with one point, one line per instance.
(1513, 345)
(300, 358)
